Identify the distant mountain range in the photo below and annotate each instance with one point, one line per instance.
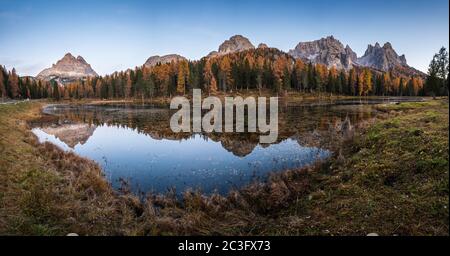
(332, 53)
(327, 51)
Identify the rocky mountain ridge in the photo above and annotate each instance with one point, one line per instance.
(382, 58)
(68, 68)
(327, 51)
(332, 53)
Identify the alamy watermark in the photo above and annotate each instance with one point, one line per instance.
(212, 121)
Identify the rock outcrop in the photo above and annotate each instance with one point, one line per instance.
(68, 69)
(327, 51)
(154, 60)
(236, 43)
(382, 58)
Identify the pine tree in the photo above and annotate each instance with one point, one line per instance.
(410, 87)
(352, 82)
(26, 88)
(55, 91)
(128, 85)
(286, 79)
(13, 84)
(341, 82)
(432, 83)
(332, 76)
(437, 80)
(2, 83)
(443, 69)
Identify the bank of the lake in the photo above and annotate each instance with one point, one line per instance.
(391, 179)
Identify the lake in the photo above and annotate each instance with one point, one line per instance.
(134, 144)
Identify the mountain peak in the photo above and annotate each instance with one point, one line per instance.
(236, 43)
(68, 56)
(382, 58)
(330, 38)
(238, 37)
(387, 45)
(68, 68)
(328, 51)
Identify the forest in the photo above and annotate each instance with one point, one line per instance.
(256, 69)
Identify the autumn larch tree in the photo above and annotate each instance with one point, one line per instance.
(225, 78)
(2, 83)
(13, 84)
(386, 84)
(332, 80)
(367, 82)
(55, 91)
(182, 78)
(259, 73)
(210, 80)
(128, 87)
(321, 77)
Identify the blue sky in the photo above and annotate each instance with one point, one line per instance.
(116, 35)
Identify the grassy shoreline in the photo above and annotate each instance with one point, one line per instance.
(391, 179)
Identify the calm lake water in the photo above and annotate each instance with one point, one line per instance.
(134, 143)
